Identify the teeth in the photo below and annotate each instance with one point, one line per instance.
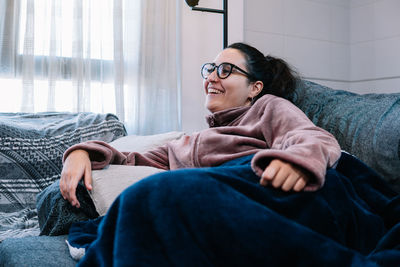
(214, 91)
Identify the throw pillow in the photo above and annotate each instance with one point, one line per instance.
(109, 182)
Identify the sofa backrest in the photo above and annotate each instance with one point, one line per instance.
(367, 126)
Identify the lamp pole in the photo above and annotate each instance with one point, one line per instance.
(224, 12)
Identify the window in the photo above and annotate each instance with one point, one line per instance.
(60, 40)
(116, 56)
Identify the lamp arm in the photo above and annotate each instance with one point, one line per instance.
(203, 9)
(223, 11)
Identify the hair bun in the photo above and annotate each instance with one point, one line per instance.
(269, 58)
(276, 75)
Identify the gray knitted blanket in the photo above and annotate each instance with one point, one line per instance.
(31, 149)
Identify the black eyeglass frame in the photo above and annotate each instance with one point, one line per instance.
(233, 66)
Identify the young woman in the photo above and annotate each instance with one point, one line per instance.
(255, 189)
(248, 116)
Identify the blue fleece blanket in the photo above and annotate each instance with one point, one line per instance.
(221, 216)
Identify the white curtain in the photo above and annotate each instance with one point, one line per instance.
(117, 56)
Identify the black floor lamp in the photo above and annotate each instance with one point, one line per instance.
(223, 11)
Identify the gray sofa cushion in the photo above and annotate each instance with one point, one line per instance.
(367, 126)
(43, 251)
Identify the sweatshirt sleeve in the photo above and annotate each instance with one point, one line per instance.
(292, 137)
(102, 154)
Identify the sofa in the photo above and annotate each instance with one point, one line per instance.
(366, 126)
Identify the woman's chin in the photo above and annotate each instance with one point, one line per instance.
(216, 103)
(212, 107)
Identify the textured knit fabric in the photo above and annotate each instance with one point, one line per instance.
(366, 125)
(56, 214)
(271, 128)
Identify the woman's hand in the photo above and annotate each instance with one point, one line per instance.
(76, 166)
(285, 175)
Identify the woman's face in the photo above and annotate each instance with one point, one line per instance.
(233, 91)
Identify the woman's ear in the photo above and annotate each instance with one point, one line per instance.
(257, 88)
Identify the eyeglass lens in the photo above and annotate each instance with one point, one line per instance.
(223, 70)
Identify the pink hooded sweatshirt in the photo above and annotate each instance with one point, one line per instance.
(271, 128)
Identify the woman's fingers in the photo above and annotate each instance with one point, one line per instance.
(73, 183)
(88, 178)
(300, 184)
(68, 186)
(76, 166)
(268, 175)
(290, 182)
(280, 178)
(284, 175)
(275, 174)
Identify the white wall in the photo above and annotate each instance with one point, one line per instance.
(375, 45)
(201, 41)
(345, 44)
(313, 36)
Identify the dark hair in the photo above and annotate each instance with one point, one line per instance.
(277, 76)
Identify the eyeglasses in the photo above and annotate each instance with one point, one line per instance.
(223, 70)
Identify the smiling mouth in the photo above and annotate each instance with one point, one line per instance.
(213, 91)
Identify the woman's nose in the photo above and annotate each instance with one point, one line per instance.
(213, 76)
